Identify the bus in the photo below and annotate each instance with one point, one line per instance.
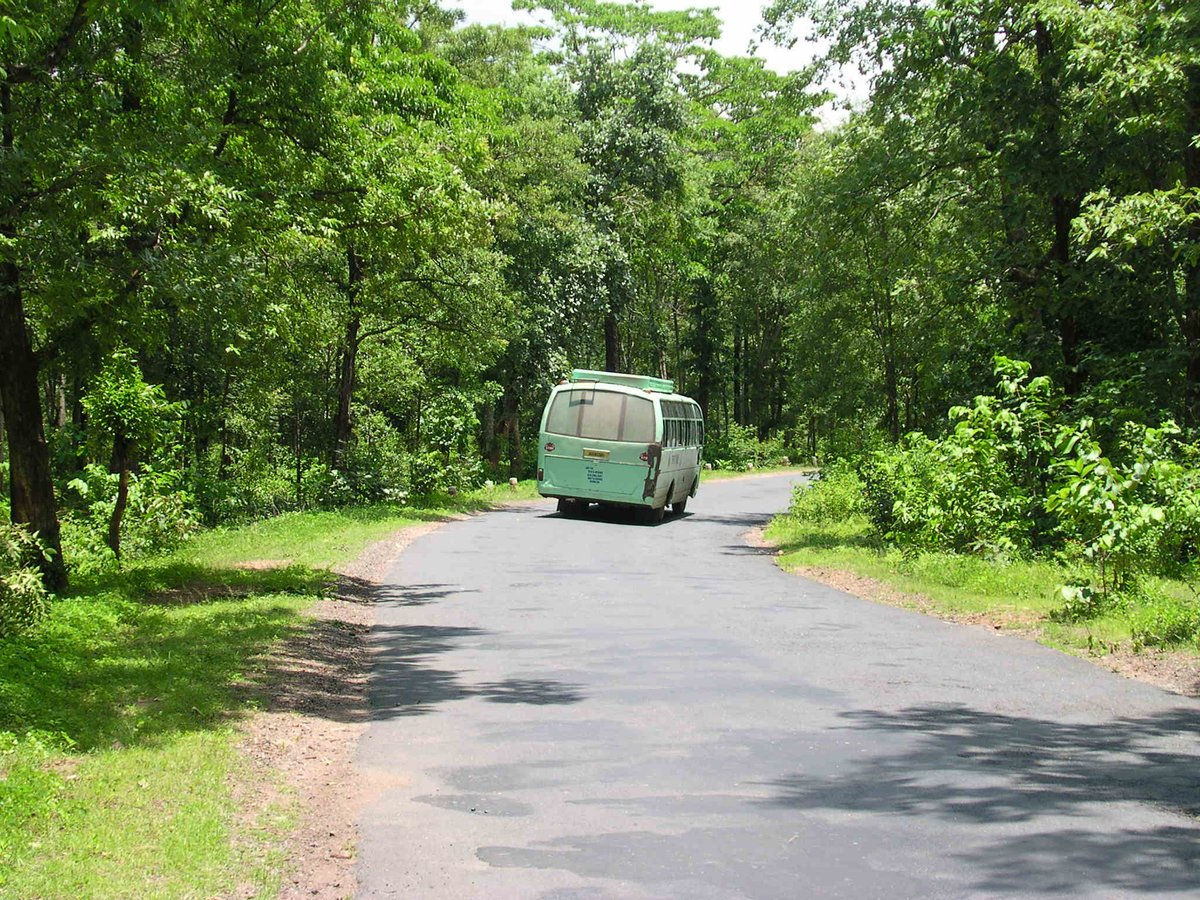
(620, 440)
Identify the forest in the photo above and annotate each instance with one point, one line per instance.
(276, 255)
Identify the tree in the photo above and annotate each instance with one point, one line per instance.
(136, 415)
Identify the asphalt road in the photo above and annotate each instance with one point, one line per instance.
(595, 709)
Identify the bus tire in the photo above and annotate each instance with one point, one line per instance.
(569, 508)
(653, 515)
(679, 506)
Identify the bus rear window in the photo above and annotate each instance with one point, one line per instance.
(602, 416)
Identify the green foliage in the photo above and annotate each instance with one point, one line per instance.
(979, 488)
(1016, 476)
(738, 447)
(24, 600)
(836, 495)
(160, 516)
(1130, 518)
(121, 402)
(1162, 620)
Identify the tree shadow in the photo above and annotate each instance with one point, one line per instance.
(738, 520)
(748, 550)
(155, 650)
(405, 684)
(799, 538)
(983, 769)
(417, 594)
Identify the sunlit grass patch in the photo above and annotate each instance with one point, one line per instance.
(322, 538)
(135, 822)
(1019, 593)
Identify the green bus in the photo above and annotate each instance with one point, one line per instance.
(620, 440)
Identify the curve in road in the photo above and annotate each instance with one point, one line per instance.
(586, 708)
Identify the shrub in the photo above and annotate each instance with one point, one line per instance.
(161, 515)
(1131, 518)
(738, 447)
(24, 600)
(835, 496)
(1161, 621)
(980, 488)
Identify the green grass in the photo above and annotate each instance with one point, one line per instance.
(118, 757)
(724, 474)
(1020, 594)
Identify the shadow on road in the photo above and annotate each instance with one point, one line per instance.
(739, 520)
(748, 550)
(971, 767)
(616, 515)
(405, 684)
(417, 594)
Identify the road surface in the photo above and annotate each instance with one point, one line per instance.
(594, 709)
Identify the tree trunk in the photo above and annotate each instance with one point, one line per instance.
(343, 430)
(1063, 207)
(891, 390)
(31, 487)
(297, 442)
(612, 342)
(226, 459)
(120, 465)
(704, 344)
(491, 443)
(1191, 273)
(512, 418)
(739, 387)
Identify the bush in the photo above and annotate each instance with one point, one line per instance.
(1162, 621)
(24, 600)
(739, 447)
(837, 495)
(160, 516)
(980, 489)
(1012, 478)
(1140, 516)
(251, 489)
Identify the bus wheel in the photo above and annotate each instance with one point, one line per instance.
(570, 508)
(653, 515)
(679, 506)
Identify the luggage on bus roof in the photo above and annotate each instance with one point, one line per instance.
(644, 382)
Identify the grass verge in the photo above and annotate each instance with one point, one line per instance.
(118, 714)
(1018, 595)
(725, 474)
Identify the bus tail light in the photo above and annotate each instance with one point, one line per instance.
(541, 474)
(645, 457)
(550, 447)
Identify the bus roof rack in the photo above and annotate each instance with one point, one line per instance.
(645, 382)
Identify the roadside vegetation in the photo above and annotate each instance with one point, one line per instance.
(1087, 532)
(119, 709)
(317, 269)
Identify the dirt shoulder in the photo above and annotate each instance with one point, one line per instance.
(1175, 672)
(300, 748)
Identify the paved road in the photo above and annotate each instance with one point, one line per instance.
(591, 709)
